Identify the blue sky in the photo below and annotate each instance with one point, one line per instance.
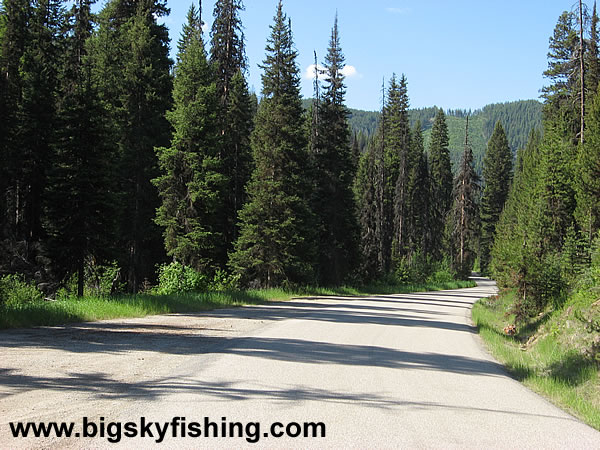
(455, 54)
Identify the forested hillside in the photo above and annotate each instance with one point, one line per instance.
(518, 119)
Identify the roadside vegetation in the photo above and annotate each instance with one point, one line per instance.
(556, 352)
(180, 289)
(541, 243)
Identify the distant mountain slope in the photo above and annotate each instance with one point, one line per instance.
(518, 119)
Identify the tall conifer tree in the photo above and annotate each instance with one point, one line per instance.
(335, 172)
(464, 214)
(441, 182)
(132, 66)
(228, 57)
(15, 36)
(563, 72)
(592, 59)
(191, 185)
(37, 115)
(588, 179)
(365, 191)
(80, 197)
(556, 188)
(497, 174)
(418, 196)
(397, 153)
(276, 244)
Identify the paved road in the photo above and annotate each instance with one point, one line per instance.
(379, 372)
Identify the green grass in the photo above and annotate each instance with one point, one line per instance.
(89, 309)
(548, 354)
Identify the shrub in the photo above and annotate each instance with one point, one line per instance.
(442, 273)
(103, 279)
(414, 269)
(177, 278)
(223, 281)
(403, 271)
(539, 282)
(14, 291)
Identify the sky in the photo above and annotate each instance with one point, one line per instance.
(455, 54)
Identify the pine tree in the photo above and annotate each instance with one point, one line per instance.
(497, 174)
(380, 213)
(227, 50)
(440, 174)
(588, 179)
(36, 116)
(366, 201)
(464, 214)
(335, 172)
(418, 196)
(228, 57)
(556, 194)
(315, 108)
(4, 129)
(276, 244)
(15, 36)
(191, 185)
(355, 149)
(80, 194)
(132, 67)
(512, 247)
(397, 154)
(563, 72)
(592, 57)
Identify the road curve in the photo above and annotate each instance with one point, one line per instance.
(380, 372)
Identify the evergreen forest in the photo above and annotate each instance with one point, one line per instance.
(123, 171)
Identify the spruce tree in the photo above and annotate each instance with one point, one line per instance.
(497, 174)
(418, 196)
(4, 146)
(366, 200)
(191, 185)
(276, 245)
(227, 55)
(440, 173)
(132, 67)
(79, 198)
(37, 116)
(464, 214)
(334, 174)
(588, 179)
(15, 35)
(556, 187)
(592, 59)
(563, 72)
(515, 237)
(397, 153)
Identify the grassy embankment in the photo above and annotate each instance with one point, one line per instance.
(556, 354)
(98, 308)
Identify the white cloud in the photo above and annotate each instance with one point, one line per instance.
(398, 10)
(347, 71)
(309, 74)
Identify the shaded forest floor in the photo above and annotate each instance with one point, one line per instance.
(556, 353)
(90, 308)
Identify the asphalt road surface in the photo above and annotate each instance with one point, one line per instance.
(379, 372)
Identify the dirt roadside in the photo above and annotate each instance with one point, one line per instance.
(56, 373)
